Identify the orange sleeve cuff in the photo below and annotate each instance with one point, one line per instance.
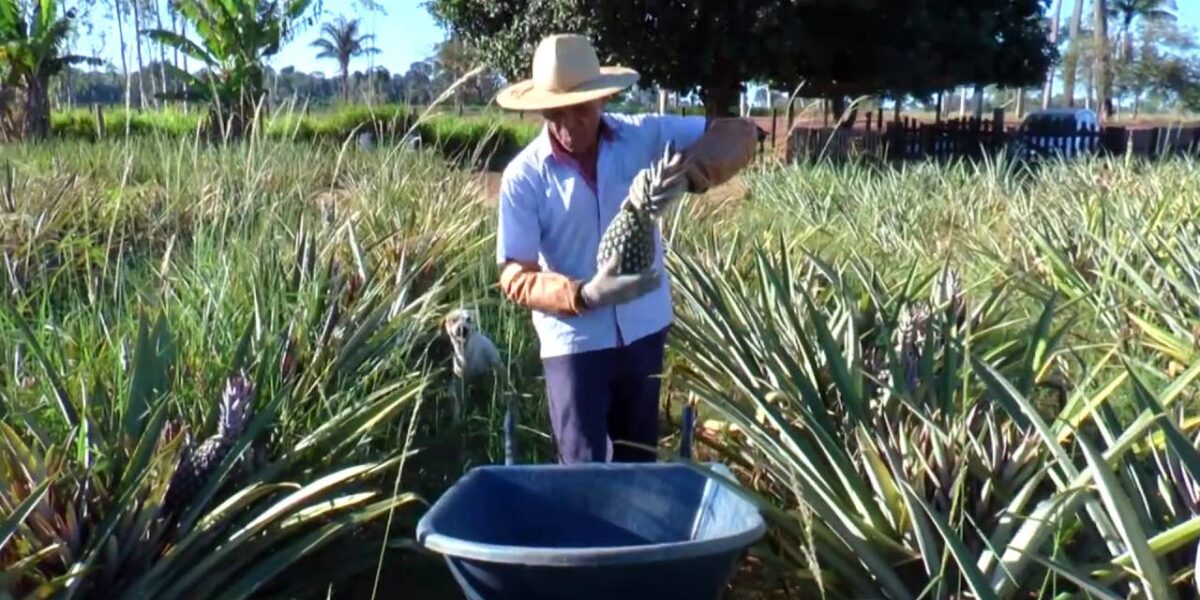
(529, 286)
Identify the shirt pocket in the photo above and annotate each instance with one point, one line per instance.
(570, 221)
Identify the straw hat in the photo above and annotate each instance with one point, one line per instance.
(565, 72)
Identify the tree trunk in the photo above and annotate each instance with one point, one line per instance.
(1091, 87)
(1071, 62)
(12, 106)
(137, 44)
(183, 30)
(162, 52)
(837, 109)
(124, 63)
(1103, 60)
(1047, 89)
(37, 108)
(1127, 40)
(345, 83)
(1020, 104)
(718, 100)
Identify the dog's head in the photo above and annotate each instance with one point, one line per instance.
(459, 324)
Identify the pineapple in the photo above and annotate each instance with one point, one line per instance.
(197, 465)
(630, 235)
(912, 328)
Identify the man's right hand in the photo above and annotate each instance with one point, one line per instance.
(607, 288)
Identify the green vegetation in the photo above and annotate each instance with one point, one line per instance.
(139, 275)
(961, 381)
(899, 427)
(225, 377)
(486, 140)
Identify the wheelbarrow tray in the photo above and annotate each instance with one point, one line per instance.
(594, 530)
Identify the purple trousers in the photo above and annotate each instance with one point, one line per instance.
(606, 396)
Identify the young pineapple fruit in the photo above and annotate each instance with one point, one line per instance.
(196, 466)
(630, 235)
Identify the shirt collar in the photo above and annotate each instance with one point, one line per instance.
(551, 147)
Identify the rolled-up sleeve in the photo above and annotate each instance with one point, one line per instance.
(517, 233)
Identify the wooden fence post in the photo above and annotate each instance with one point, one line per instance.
(791, 113)
(774, 117)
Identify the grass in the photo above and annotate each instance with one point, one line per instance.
(898, 430)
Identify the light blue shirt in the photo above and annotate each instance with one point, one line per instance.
(549, 214)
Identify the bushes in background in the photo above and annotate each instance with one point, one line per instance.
(478, 141)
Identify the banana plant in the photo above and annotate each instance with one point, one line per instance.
(236, 39)
(32, 51)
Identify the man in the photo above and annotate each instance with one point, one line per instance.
(602, 335)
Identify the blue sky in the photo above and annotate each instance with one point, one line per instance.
(407, 33)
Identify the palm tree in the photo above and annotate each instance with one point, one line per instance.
(341, 41)
(1129, 11)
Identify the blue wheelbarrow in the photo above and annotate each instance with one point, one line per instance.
(627, 531)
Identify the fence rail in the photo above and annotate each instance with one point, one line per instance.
(908, 140)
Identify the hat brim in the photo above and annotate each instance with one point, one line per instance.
(524, 96)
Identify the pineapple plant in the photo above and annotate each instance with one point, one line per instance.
(196, 465)
(630, 235)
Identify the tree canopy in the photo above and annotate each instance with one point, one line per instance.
(838, 47)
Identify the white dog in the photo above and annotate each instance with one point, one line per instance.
(474, 353)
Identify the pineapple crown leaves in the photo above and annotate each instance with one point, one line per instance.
(655, 188)
(235, 406)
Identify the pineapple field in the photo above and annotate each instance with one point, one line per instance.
(224, 374)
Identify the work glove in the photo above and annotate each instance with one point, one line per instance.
(607, 288)
(656, 189)
(727, 146)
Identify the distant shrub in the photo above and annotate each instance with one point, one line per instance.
(81, 124)
(485, 141)
(479, 142)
